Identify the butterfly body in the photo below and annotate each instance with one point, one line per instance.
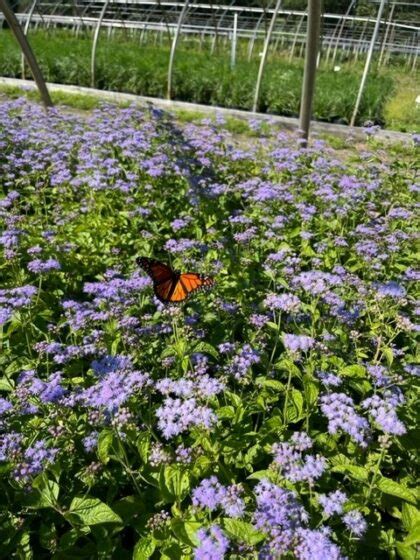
(172, 286)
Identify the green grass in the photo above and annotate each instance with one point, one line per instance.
(124, 65)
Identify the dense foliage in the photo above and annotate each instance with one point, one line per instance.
(202, 77)
(271, 416)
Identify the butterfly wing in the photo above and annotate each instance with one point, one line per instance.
(165, 290)
(164, 278)
(189, 283)
(158, 272)
(169, 286)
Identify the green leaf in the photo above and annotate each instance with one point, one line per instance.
(143, 446)
(144, 548)
(389, 356)
(242, 531)
(174, 482)
(353, 471)
(6, 384)
(105, 441)
(186, 531)
(206, 348)
(406, 552)
(413, 536)
(271, 384)
(311, 390)
(410, 516)
(91, 511)
(353, 371)
(294, 410)
(259, 475)
(388, 486)
(47, 496)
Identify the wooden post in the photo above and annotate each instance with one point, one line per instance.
(368, 61)
(311, 54)
(27, 51)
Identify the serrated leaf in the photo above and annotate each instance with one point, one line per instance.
(413, 536)
(6, 384)
(294, 410)
(260, 475)
(143, 446)
(174, 482)
(186, 531)
(406, 552)
(206, 348)
(144, 548)
(105, 441)
(358, 473)
(47, 493)
(389, 486)
(355, 370)
(242, 531)
(272, 384)
(410, 516)
(91, 511)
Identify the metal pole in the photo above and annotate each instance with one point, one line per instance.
(234, 40)
(25, 30)
(27, 51)
(311, 54)
(174, 45)
(368, 61)
(95, 43)
(254, 36)
(388, 27)
(292, 52)
(264, 55)
(340, 32)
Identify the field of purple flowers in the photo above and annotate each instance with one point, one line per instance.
(271, 417)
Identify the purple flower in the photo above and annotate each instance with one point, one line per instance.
(176, 416)
(209, 494)
(383, 411)
(298, 343)
(242, 362)
(116, 384)
(283, 302)
(34, 460)
(294, 466)
(332, 503)
(316, 545)
(90, 442)
(38, 266)
(339, 409)
(232, 503)
(10, 445)
(355, 522)
(213, 544)
(329, 379)
(279, 515)
(390, 289)
(258, 320)
(379, 375)
(5, 405)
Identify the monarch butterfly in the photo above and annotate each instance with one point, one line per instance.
(169, 285)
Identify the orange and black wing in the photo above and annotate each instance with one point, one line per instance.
(158, 272)
(164, 278)
(187, 284)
